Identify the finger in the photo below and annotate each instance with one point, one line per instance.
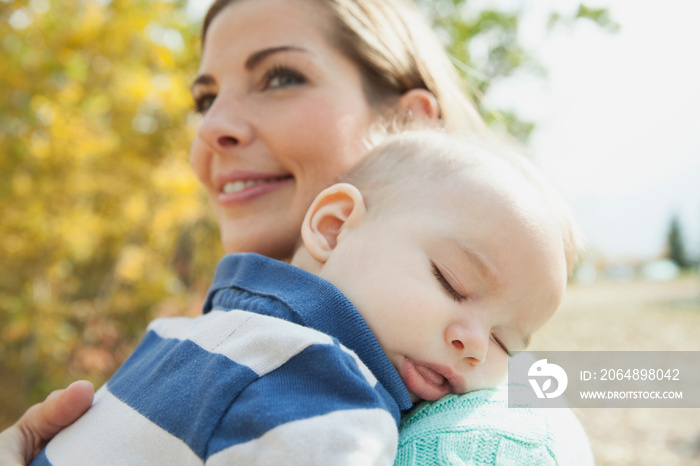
(63, 407)
(44, 420)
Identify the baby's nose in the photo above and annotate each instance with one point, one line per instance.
(470, 341)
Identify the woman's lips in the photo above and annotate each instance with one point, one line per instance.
(430, 382)
(242, 188)
(237, 186)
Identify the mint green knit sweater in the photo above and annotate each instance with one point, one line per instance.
(479, 429)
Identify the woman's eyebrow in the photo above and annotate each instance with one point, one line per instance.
(260, 55)
(202, 80)
(250, 63)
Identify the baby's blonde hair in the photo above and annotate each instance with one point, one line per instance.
(412, 159)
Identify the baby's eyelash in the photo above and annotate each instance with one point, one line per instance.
(500, 343)
(446, 285)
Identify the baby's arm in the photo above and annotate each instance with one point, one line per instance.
(321, 407)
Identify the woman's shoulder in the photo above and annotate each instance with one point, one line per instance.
(479, 428)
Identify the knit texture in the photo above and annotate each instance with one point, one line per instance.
(480, 429)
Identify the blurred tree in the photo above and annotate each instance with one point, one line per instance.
(103, 226)
(484, 42)
(676, 245)
(97, 198)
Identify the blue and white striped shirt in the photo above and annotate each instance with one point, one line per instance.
(280, 369)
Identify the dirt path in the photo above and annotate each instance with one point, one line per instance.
(633, 316)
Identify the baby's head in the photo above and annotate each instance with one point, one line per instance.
(453, 250)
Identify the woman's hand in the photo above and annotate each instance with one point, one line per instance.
(20, 443)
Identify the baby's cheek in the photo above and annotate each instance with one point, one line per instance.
(490, 374)
(500, 372)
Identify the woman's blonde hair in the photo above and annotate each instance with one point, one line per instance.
(396, 51)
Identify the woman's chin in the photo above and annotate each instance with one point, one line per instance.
(270, 244)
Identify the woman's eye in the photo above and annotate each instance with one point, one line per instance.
(203, 102)
(446, 285)
(280, 77)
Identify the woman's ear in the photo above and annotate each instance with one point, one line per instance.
(420, 105)
(335, 211)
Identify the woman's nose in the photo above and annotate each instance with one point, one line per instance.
(471, 341)
(224, 127)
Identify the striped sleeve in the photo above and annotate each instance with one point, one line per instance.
(320, 407)
(349, 437)
(112, 433)
(234, 387)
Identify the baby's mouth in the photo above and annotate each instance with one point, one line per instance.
(424, 381)
(430, 375)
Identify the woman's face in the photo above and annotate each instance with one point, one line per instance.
(284, 114)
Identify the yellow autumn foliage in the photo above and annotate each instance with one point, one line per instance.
(103, 225)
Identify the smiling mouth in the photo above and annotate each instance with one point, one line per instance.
(237, 186)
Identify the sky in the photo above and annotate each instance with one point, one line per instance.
(617, 118)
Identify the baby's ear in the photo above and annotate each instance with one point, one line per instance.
(335, 211)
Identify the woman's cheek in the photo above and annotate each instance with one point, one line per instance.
(198, 162)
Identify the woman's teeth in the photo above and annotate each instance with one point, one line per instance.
(236, 186)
